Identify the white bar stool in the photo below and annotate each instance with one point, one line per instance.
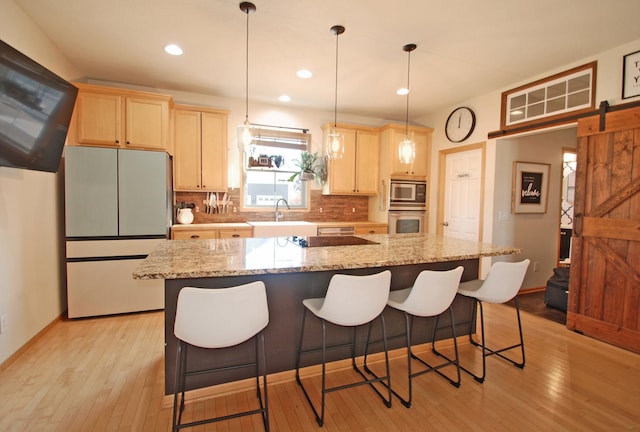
(217, 319)
(351, 301)
(431, 295)
(501, 285)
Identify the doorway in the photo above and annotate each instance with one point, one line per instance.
(567, 202)
(460, 196)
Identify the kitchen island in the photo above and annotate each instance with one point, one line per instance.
(292, 273)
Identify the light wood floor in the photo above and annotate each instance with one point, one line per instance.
(107, 374)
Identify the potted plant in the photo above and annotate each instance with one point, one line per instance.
(321, 171)
(307, 166)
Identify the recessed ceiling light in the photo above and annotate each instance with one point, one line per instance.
(402, 91)
(173, 49)
(304, 73)
(284, 98)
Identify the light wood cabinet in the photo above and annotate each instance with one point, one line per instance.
(372, 229)
(390, 138)
(211, 233)
(200, 149)
(235, 232)
(194, 234)
(357, 172)
(112, 117)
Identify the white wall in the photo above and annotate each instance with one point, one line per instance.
(31, 231)
(487, 109)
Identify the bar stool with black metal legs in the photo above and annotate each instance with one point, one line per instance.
(431, 295)
(351, 301)
(219, 318)
(502, 284)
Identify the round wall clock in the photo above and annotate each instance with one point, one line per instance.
(460, 124)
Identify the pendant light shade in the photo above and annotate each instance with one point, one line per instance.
(335, 140)
(407, 148)
(246, 138)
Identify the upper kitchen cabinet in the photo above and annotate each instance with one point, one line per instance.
(200, 149)
(357, 172)
(390, 138)
(112, 117)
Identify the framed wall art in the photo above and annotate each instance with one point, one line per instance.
(631, 75)
(530, 187)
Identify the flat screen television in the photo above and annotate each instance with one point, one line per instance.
(35, 110)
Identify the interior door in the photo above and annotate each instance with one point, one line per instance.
(604, 292)
(462, 194)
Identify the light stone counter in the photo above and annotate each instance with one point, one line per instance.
(179, 259)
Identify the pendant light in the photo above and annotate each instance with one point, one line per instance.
(407, 148)
(246, 138)
(335, 140)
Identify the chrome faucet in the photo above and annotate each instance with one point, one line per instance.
(279, 215)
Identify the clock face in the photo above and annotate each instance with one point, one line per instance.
(460, 124)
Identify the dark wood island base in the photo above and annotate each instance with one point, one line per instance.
(285, 293)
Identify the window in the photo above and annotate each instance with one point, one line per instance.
(555, 97)
(268, 164)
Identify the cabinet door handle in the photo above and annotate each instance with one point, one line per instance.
(445, 223)
(195, 236)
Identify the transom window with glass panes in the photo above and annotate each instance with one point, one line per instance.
(268, 164)
(555, 96)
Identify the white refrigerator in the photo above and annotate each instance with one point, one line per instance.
(118, 207)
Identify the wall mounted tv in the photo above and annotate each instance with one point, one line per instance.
(35, 110)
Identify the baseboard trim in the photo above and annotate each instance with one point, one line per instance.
(532, 290)
(13, 357)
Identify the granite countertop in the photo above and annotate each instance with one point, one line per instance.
(179, 259)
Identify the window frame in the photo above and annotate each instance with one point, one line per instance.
(266, 136)
(567, 114)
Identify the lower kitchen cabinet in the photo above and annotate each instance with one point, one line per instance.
(211, 231)
(372, 229)
(194, 235)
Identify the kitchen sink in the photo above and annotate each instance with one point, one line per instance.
(284, 229)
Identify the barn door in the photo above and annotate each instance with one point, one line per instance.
(604, 293)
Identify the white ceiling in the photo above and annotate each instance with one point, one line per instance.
(465, 48)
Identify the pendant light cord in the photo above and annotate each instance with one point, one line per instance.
(335, 104)
(246, 85)
(406, 120)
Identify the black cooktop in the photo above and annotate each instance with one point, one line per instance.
(329, 241)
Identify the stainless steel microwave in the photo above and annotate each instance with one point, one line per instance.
(408, 195)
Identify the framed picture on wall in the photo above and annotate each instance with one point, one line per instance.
(631, 75)
(530, 187)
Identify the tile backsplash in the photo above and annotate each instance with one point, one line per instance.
(323, 208)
